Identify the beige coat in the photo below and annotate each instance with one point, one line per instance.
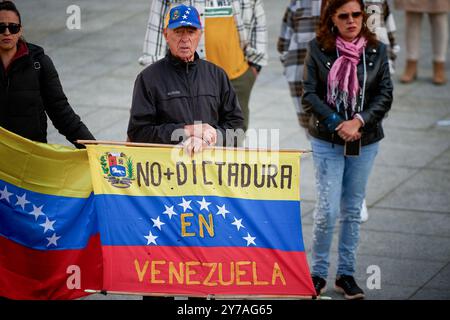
(429, 6)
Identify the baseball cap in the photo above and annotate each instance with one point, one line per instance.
(184, 16)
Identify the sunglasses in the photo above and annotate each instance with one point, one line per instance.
(345, 16)
(12, 27)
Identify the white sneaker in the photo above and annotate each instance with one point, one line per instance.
(364, 212)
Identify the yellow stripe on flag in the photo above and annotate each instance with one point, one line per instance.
(155, 171)
(44, 168)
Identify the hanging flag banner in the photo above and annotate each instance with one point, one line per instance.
(49, 242)
(224, 222)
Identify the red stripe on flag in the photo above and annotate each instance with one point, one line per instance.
(206, 270)
(36, 274)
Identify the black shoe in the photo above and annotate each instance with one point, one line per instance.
(320, 285)
(347, 285)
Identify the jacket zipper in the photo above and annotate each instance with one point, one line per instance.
(7, 89)
(189, 91)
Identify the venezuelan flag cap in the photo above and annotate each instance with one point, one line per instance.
(184, 16)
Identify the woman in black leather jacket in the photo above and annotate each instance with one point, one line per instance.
(30, 88)
(348, 91)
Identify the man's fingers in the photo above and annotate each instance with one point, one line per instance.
(187, 149)
(194, 145)
(197, 148)
(210, 135)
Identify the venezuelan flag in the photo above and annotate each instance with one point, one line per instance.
(221, 223)
(49, 242)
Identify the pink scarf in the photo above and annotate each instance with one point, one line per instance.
(343, 84)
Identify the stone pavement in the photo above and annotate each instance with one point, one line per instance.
(408, 233)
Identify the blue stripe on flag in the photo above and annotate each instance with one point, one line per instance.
(45, 222)
(136, 221)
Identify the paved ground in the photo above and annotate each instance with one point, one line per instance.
(408, 233)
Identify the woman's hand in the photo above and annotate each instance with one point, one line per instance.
(349, 130)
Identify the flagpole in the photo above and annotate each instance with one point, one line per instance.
(156, 145)
(208, 297)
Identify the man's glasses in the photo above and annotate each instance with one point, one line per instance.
(12, 27)
(345, 16)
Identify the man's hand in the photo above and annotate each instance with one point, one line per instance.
(203, 131)
(255, 71)
(193, 145)
(255, 68)
(200, 136)
(209, 134)
(349, 130)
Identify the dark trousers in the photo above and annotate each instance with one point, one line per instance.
(243, 87)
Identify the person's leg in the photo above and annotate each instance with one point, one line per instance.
(356, 176)
(439, 37)
(364, 212)
(412, 33)
(243, 86)
(329, 169)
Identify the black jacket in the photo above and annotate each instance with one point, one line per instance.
(29, 91)
(170, 94)
(378, 93)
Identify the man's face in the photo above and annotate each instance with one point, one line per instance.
(183, 42)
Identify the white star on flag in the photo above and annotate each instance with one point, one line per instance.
(185, 204)
(5, 194)
(238, 223)
(151, 238)
(157, 223)
(204, 204)
(189, 23)
(170, 212)
(185, 17)
(222, 211)
(21, 201)
(48, 225)
(37, 212)
(52, 240)
(250, 240)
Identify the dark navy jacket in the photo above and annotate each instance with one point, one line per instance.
(170, 94)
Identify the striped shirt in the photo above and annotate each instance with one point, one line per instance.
(297, 29)
(248, 14)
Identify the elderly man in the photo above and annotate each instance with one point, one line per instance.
(181, 97)
(241, 22)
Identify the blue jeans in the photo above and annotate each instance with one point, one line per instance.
(341, 186)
